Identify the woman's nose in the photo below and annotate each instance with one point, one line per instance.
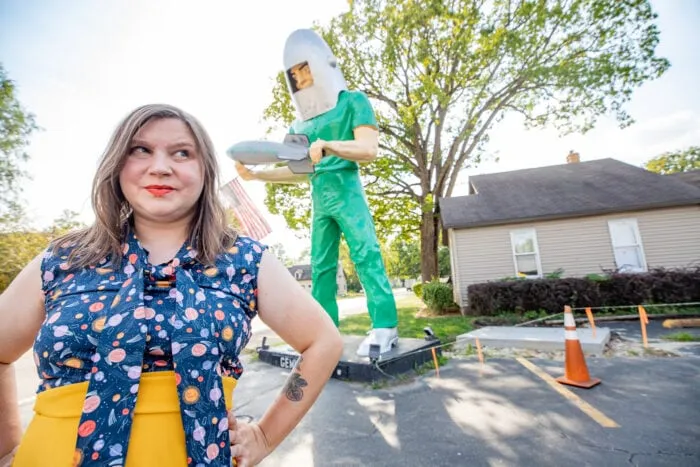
(161, 163)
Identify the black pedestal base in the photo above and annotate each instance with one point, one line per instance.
(408, 355)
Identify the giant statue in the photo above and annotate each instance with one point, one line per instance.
(341, 128)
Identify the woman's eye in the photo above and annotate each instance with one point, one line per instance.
(182, 153)
(137, 150)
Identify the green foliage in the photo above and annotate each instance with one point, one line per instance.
(418, 289)
(681, 337)
(351, 277)
(675, 162)
(556, 274)
(281, 110)
(17, 249)
(19, 243)
(657, 286)
(231, 218)
(532, 314)
(16, 126)
(281, 254)
(596, 277)
(441, 74)
(438, 296)
(66, 222)
(444, 266)
(405, 259)
(291, 201)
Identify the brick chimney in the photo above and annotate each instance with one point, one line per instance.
(573, 157)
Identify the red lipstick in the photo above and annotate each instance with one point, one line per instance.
(159, 190)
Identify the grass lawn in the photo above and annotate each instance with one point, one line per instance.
(681, 337)
(350, 295)
(446, 328)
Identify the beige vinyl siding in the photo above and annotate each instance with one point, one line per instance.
(580, 246)
(671, 237)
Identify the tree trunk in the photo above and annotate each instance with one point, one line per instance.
(428, 246)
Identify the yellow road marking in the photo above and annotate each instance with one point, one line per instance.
(585, 407)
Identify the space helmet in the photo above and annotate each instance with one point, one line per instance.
(313, 76)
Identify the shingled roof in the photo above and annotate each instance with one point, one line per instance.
(692, 177)
(560, 191)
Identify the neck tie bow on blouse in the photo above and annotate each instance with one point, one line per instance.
(105, 423)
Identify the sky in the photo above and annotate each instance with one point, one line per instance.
(81, 65)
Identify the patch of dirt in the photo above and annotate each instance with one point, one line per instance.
(619, 347)
(616, 347)
(485, 321)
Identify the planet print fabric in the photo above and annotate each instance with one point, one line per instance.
(100, 321)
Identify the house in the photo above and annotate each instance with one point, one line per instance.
(302, 273)
(579, 217)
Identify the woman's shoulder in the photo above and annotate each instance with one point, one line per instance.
(59, 258)
(58, 251)
(245, 242)
(244, 250)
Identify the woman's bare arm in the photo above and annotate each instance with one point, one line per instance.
(293, 314)
(21, 315)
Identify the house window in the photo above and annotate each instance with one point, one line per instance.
(627, 245)
(526, 253)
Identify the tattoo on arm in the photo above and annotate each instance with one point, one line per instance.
(293, 388)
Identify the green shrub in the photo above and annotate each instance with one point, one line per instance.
(597, 277)
(438, 296)
(418, 289)
(614, 289)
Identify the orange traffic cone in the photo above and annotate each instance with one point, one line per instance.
(576, 371)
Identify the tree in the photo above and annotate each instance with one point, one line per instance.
(351, 277)
(406, 259)
(16, 126)
(279, 251)
(17, 250)
(444, 266)
(231, 218)
(66, 222)
(674, 162)
(304, 256)
(19, 243)
(442, 73)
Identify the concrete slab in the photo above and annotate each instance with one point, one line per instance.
(544, 339)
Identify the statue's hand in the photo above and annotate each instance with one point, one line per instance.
(316, 151)
(244, 172)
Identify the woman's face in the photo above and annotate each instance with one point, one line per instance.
(163, 178)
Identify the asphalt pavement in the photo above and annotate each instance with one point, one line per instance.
(501, 414)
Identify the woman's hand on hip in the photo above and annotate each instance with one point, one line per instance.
(248, 443)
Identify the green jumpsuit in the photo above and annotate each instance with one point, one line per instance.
(340, 206)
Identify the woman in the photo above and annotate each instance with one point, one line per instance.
(137, 321)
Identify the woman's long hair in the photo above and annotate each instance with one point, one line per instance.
(209, 232)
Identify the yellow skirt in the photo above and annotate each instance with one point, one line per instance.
(157, 435)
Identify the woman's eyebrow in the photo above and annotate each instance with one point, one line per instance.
(180, 144)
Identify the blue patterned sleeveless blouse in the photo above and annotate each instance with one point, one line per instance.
(107, 325)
